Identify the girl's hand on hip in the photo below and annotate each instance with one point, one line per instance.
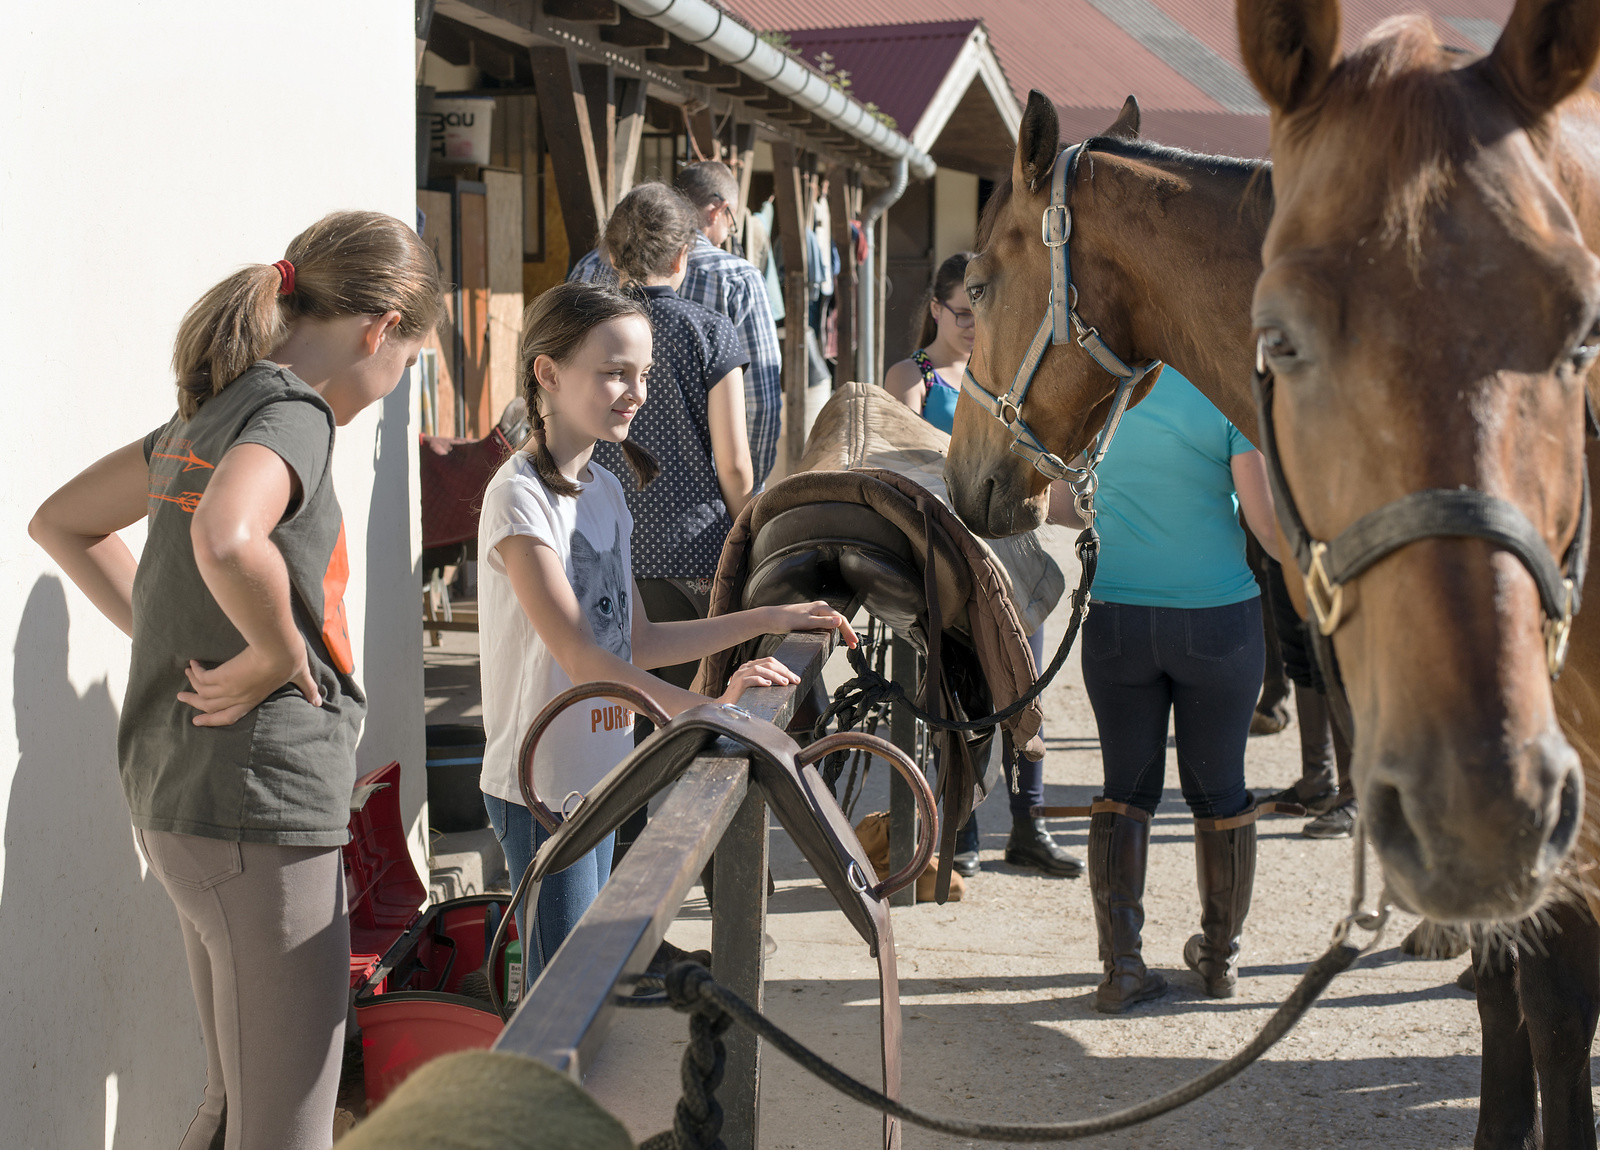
(766, 672)
(816, 616)
(226, 693)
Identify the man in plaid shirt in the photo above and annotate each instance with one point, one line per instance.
(731, 286)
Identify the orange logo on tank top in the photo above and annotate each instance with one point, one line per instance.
(613, 718)
(335, 626)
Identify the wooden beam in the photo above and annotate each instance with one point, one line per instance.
(841, 210)
(584, 11)
(792, 115)
(630, 130)
(634, 32)
(746, 89)
(703, 130)
(564, 116)
(787, 181)
(677, 54)
(600, 91)
(717, 75)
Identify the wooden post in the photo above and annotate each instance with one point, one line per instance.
(600, 92)
(788, 183)
(744, 152)
(630, 130)
(564, 116)
(738, 960)
(880, 294)
(903, 734)
(842, 209)
(703, 132)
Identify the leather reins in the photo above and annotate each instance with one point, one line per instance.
(1061, 324)
(1464, 512)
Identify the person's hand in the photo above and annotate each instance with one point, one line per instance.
(766, 672)
(816, 616)
(229, 691)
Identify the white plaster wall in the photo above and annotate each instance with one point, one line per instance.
(955, 213)
(150, 149)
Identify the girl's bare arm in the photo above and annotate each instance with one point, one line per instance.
(541, 587)
(244, 571)
(730, 441)
(666, 644)
(78, 527)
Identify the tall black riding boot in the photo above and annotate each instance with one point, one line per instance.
(1119, 851)
(1317, 789)
(1225, 863)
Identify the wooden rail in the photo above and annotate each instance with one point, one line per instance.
(565, 1017)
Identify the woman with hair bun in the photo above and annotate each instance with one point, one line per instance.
(237, 738)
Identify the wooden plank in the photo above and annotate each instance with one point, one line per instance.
(505, 207)
(630, 131)
(677, 54)
(746, 89)
(473, 236)
(787, 183)
(600, 90)
(583, 11)
(634, 32)
(565, 1017)
(842, 210)
(564, 115)
(436, 233)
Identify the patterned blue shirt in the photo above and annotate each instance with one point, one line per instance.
(680, 520)
(731, 286)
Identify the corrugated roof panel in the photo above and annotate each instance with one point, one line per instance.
(898, 67)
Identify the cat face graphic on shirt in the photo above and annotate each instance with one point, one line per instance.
(601, 584)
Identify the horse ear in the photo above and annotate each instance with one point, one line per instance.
(1289, 47)
(1126, 125)
(1038, 140)
(1546, 52)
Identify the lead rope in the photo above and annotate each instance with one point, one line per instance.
(697, 1124)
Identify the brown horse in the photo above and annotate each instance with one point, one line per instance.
(1470, 790)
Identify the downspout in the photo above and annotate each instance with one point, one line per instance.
(869, 365)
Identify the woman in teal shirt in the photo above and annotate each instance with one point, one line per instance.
(1174, 630)
(929, 381)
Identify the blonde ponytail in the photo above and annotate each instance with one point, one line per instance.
(347, 263)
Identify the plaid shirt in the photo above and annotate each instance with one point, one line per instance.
(734, 287)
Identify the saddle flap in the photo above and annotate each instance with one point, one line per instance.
(650, 768)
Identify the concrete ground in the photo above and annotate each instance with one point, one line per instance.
(996, 989)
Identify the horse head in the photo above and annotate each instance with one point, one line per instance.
(996, 492)
(1426, 319)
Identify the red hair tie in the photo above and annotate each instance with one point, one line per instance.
(286, 270)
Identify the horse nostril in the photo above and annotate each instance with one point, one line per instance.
(1565, 829)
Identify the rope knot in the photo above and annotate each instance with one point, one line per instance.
(682, 983)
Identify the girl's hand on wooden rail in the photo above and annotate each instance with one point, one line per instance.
(816, 616)
(766, 672)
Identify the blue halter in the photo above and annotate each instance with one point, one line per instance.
(1061, 323)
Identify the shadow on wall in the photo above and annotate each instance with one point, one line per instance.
(394, 723)
(102, 1044)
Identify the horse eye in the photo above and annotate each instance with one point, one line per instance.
(975, 293)
(605, 605)
(1587, 351)
(1275, 343)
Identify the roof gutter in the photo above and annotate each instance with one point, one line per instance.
(714, 32)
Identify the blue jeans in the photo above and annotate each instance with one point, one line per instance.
(563, 896)
(1200, 666)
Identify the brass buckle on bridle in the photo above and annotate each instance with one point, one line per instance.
(1557, 634)
(1325, 596)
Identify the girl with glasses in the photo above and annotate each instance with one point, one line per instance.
(929, 381)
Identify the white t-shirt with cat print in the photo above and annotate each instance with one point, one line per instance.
(590, 534)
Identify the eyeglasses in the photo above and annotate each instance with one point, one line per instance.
(962, 318)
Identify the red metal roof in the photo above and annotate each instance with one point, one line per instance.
(1195, 96)
(896, 66)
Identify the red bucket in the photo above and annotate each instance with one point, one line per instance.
(401, 1032)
